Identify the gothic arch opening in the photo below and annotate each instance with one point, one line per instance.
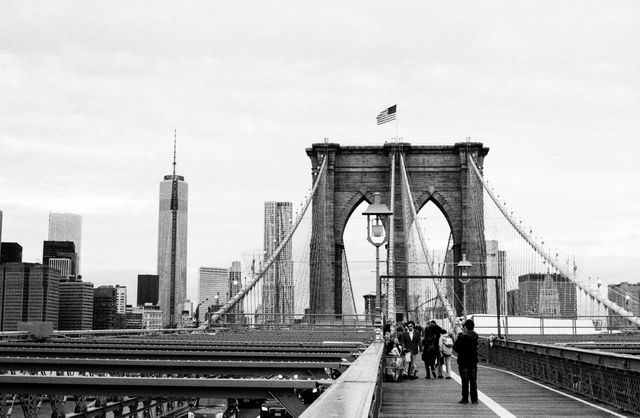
(361, 256)
(437, 236)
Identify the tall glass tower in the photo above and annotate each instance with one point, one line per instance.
(67, 227)
(277, 288)
(172, 245)
(213, 290)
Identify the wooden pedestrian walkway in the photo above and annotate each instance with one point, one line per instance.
(501, 393)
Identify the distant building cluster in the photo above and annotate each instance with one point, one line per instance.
(546, 295)
(54, 290)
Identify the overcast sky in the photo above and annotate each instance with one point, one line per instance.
(90, 93)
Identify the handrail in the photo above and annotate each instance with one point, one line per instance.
(611, 378)
(357, 393)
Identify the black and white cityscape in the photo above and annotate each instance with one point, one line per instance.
(346, 209)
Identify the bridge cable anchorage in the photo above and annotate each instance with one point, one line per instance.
(548, 257)
(232, 302)
(453, 320)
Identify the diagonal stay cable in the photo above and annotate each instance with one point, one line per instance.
(547, 256)
(441, 295)
(232, 302)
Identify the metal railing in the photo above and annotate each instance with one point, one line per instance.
(486, 324)
(610, 378)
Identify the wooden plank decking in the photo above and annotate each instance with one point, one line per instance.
(439, 398)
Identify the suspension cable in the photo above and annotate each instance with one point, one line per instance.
(441, 295)
(232, 302)
(391, 283)
(547, 256)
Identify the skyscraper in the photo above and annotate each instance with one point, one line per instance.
(63, 265)
(29, 293)
(535, 297)
(76, 305)
(213, 289)
(10, 252)
(121, 299)
(148, 286)
(66, 227)
(105, 308)
(495, 266)
(277, 288)
(57, 250)
(172, 245)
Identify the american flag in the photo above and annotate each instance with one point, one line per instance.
(386, 115)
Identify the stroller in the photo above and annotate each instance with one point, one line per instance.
(393, 367)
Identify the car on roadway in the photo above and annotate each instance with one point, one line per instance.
(272, 408)
(214, 408)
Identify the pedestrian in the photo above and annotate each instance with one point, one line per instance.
(388, 343)
(466, 346)
(396, 352)
(436, 330)
(429, 352)
(410, 341)
(446, 350)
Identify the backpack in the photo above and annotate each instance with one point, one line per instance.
(447, 345)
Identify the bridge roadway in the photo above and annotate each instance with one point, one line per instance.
(501, 393)
(282, 363)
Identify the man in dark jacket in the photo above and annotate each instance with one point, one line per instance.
(410, 340)
(466, 346)
(436, 331)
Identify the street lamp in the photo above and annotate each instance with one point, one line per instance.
(464, 265)
(376, 214)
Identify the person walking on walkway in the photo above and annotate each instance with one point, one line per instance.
(436, 330)
(429, 352)
(410, 341)
(466, 346)
(446, 350)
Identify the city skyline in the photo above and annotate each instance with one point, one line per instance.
(89, 112)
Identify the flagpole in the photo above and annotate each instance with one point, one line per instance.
(396, 124)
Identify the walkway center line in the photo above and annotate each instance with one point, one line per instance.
(493, 405)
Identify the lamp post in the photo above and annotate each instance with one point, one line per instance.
(376, 214)
(464, 265)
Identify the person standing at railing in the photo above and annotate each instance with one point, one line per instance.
(466, 345)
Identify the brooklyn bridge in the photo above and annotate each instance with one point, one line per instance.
(552, 343)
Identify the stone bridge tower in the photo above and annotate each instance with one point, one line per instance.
(354, 173)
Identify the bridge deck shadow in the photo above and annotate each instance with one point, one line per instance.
(522, 398)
